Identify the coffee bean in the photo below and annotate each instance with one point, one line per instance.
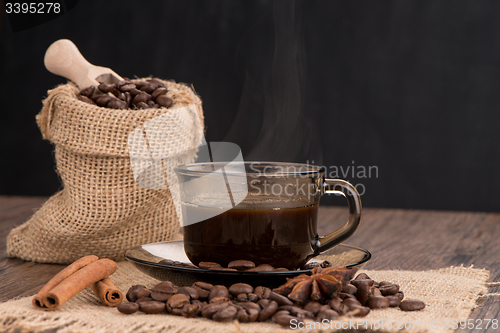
(141, 98)
(86, 99)
(242, 297)
(142, 105)
(285, 320)
(159, 91)
(208, 264)
(281, 269)
(87, 92)
(313, 307)
(280, 299)
(327, 314)
(165, 287)
(377, 302)
(351, 303)
(226, 314)
(209, 310)
(152, 307)
(191, 310)
(116, 92)
(253, 297)
(176, 303)
(411, 305)
(389, 289)
(360, 311)
(127, 308)
(384, 283)
(164, 100)
(400, 295)
(393, 300)
(239, 288)
(218, 291)
(263, 303)
(156, 82)
(148, 88)
(144, 292)
(106, 87)
(188, 291)
(132, 292)
(143, 299)
(102, 100)
(375, 291)
(349, 289)
(127, 87)
(268, 311)
(362, 276)
(116, 103)
(161, 297)
(262, 292)
(134, 92)
(220, 299)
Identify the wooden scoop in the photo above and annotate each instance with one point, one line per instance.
(63, 58)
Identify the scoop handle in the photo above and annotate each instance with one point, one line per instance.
(63, 58)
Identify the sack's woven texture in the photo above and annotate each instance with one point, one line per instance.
(449, 293)
(100, 209)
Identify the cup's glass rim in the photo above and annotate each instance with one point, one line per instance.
(293, 169)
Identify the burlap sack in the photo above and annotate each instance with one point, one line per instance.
(101, 210)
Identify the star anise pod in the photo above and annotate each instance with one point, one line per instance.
(324, 283)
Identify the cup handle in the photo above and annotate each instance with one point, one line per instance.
(339, 186)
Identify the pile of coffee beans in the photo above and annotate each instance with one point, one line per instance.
(245, 303)
(128, 94)
(244, 265)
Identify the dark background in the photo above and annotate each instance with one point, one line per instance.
(409, 87)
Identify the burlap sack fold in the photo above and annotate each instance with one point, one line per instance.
(100, 209)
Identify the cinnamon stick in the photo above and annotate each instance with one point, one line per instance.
(107, 292)
(76, 282)
(72, 268)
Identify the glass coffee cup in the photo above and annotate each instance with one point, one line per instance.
(265, 212)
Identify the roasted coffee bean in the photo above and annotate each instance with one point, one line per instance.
(240, 288)
(203, 285)
(375, 291)
(142, 105)
(393, 300)
(86, 99)
(139, 83)
(411, 305)
(337, 304)
(360, 311)
(159, 91)
(377, 302)
(164, 100)
(116, 92)
(262, 292)
(313, 307)
(281, 269)
(226, 314)
(286, 320)
(242, 316)
(176, 303)
(384, 283)
(249, 305)
(144, 292)
(263, 302)
(301, 313)
(134, 92)
(132, 292)
(268, 311)
(155, 81)
(280, 299)
(141, 98)
(400, 295)
(209, 310)
(252, 315)
(208, 264)
(220, 299)
(116, 103)
(152, 307)
(238, 264)
(389, 289)
(166, 262)
(106, 87)
(253, 297)
(327, 314)
(87, 92)
(363, 289)
(127, 308)
(188, 291)
(143, 299)
(122, 97)
(349, 289)
(202, 293)
(362, 276)
(242, 297)
(127, 87)
(346, 295)
(102, 100)
(165, 287)
(351, 303)
(161, 297)
(148, 88)
(262, 268)
(191, 310)
(218, 291)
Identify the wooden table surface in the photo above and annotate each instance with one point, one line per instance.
(397, 239)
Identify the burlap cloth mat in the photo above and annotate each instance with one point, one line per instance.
(449, 293)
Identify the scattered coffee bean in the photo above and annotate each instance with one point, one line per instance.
(188, 291)
(132, 292)
(218, 291)
(328, 315)
(411, 305)
(127, 308)
(144, 292)
(208, 265)
(226, 314)
(241, 265)
(268, 311)
(393, 300)
(106, 87)
(87, 92)
(377, 302)
(389, 289)
(239, 288)
(86, 99)
(152, 307)
(176, 303)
